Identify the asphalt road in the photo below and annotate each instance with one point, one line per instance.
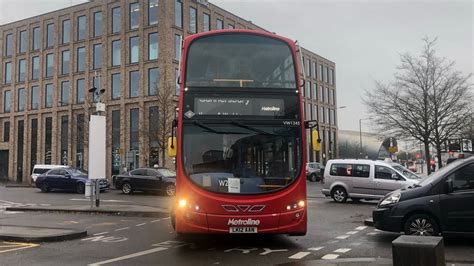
(335, 231)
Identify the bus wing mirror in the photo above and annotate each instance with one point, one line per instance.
(316, 141)
(172, 146)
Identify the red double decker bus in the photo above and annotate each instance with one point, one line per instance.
(240, 150)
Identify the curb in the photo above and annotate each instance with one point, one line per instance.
(156, 214)
(18, 186)
(369, 222)
(75, 234)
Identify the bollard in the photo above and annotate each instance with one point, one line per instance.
(418, 251)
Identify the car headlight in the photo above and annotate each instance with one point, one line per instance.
(391, 199)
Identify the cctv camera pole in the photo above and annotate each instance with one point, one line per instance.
(97, 140)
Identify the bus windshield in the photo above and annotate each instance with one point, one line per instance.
(239, 158)
(240, 60)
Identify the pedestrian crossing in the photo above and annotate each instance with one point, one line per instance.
(6, 204)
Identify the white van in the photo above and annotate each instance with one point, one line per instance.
(39, 169)
(362, 179)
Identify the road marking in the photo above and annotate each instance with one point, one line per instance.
(140, 224)
(352, 232)
(299, 255)
(315, 249)
(355, 244)
(342, 250)
(124, 228)
(103, 233)
(268, 251)
(342, 237)
(108, 239)
(372, 233)
(14, 246)
(155, 221)
(243, 250)
(330, 257)
(166, 218)
(360, 228)
(134, 255)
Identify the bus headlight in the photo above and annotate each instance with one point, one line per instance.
(295, 205)
(182, 203)
(301, 203)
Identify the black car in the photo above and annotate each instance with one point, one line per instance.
(441, 203)
(67, 178)
(147, 179)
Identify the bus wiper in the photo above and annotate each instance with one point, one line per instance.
(201, 125)
(251, 128)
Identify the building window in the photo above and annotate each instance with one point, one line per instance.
(153, 46)
(48, 137)
(34, 142)
(6, 101)
(21, 99)
(21, 70)
(34, 97)
(315, 91)
(325, 74)
(36, 38)
(8, 73)
(80, 141)
(153, 134)
(64, 93)
(192, 20)
(97, 56)
(328, 114)
(331, 76)
(23, 41)
(66, 31)
(97, 24)
(219, 24)
(64, 139)
(153, 81)
(134, 49)
(48, 96)
(326, 95)
(231, 26)
(321, 92)
(35, 67)
(116, 19)
(81, 59)
(313, 70)
(321, 113)
(308, 89)
(178, 13)
(115, 142)
(9, 45)
(134, 129)
(116, 86)
(176, 77)
(49, 65)
(80, 96)
(320, 72)
(19, 150)
(134, 83)
(306, 67)
(177, 47)
(81, 28)
(6, 131)
(206, 22)
(50, 35)
(134, 15)
(116, 55)
(153, 11)
(65, 62)
(333, 93)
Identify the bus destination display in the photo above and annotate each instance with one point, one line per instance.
(233, 106)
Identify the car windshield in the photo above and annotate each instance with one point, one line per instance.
(407, 173)
(76, 172)
(229, 158)
(166, 172)
(438, 174)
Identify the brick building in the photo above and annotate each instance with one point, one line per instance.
(131, 47)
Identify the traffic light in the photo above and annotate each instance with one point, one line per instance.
(316, 141)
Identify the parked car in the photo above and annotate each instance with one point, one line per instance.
(361, 179)
(314, 171)
(147, 179)
(67, 178)
(39, 169)
(440, 203)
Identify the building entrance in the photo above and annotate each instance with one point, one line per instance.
(4, 164)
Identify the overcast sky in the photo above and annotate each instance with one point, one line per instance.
(363, 38)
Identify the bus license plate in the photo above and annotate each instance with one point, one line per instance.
(243, 230)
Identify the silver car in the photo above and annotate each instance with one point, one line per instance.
(361, 179)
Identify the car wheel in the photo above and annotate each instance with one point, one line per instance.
(127, 188)
(421, 225)
(80, 188)
(170, 190)
(313, 178)
(45, 187)
(339, 194)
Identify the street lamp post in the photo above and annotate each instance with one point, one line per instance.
(360, 138)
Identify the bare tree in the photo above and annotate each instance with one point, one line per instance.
(427, 100)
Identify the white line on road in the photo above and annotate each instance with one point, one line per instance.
(342, 250)
(372, 233)
(342, 237)
(154, 221)
(360, 228)
(140, 224)
(166, 218)
(352, 232)
(315, 249)
(299, 255)
(134, 255)
(103, 233)
(120, 229)
(330, 257)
